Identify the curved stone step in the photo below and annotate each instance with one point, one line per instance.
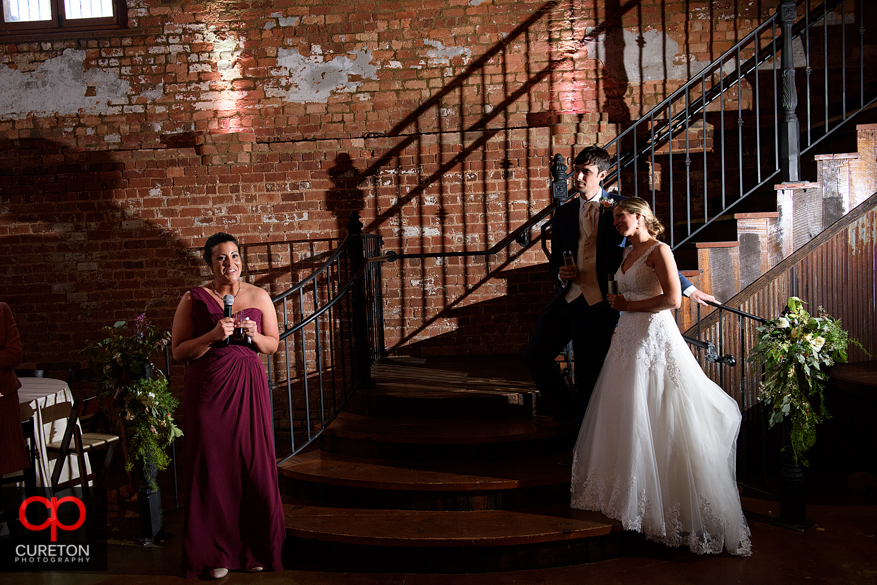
(328, 479)
(427, 528)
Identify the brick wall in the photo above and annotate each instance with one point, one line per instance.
(436, 121)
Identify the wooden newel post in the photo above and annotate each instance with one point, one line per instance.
(361, 349)
(790, 139)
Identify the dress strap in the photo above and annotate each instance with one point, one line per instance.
(650, 250)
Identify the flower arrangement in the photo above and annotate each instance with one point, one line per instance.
(606, 204)
(796, 349)
(123, 357)
(149, 405)
(123, 370)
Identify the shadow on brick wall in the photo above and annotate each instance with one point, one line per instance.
(498, 325)
(82, 252)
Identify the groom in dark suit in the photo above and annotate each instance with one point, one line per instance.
(578, 310)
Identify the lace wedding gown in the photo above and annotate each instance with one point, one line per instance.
(657, 447)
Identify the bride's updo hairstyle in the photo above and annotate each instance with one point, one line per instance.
(636, 205)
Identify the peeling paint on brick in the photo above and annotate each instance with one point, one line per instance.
(310, 79)
(59, 86)
(632, 57)
(416, 231)
(442, 55)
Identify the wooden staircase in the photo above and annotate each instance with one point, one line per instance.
(439, 468)
(737, 249)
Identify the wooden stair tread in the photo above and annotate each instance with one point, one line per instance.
(426, 391)
(395, 374)
(461, 432)
(758, 215)
(417, 528)
(507, 368)
(325, 468)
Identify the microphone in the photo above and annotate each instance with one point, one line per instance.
(229, 301)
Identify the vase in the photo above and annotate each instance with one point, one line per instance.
(149, 499)
(793, 501)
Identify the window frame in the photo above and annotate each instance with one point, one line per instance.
(60, 24)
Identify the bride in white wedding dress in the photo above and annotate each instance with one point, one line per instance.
(657, 446)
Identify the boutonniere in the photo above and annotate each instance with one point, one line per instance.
(606, 204)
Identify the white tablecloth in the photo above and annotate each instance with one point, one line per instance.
(48, 401)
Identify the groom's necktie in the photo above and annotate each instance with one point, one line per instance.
(588, 218)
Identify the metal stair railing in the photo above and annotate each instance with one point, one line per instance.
(729, 172)
(336, 335)
(705, 96)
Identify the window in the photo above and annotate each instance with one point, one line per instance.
(21, 16)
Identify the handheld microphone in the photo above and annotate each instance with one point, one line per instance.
(229, 301)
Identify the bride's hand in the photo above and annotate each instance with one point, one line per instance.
(617, 302)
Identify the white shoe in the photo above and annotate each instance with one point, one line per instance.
(218, 573)
(256, 569)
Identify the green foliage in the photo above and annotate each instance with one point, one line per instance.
(149, 406)
(796, 350)
(123, 357)
(123, 370)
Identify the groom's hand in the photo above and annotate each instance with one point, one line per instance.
(567, 272)
(701, 297)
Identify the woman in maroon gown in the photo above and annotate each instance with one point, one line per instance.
(234, 518)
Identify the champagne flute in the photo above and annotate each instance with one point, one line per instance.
(612, 285)
(568, 259)
(238, 334)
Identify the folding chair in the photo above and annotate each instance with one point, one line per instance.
(81, 380)
(76, 442)
(28, 475)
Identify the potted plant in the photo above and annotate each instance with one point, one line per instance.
(796, 350)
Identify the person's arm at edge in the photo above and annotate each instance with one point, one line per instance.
(694, 293)
(11, 355)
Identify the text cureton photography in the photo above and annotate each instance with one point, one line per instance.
(52, 553)
(52, 532)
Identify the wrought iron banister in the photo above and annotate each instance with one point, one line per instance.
(663, 123)
(697, 195)
(342, 247)
(667, 128)
(332, 345)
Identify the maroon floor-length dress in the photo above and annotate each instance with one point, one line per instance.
(234, 517)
